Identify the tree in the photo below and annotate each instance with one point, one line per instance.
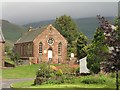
(81, 46)
(67, 27)
(96, 51)
(112, 38)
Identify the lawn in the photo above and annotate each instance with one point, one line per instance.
(28, 71)
(29, 84)
(24, 71)
(76, 82)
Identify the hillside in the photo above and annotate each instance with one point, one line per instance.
(88, 25)
(85, 25)
(12, 31)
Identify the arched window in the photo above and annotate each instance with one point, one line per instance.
(40, 47)
(59, 48)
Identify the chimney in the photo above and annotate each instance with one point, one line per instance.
(30, 28)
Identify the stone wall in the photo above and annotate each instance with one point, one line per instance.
(2, 53)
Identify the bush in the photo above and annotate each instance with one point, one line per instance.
(93, 80)
(44, 71)
(112, 75)
(39, 81)
(59, 72)
(68, 78)
(78, 70)
(43, 74)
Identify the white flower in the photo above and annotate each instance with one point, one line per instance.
(113, 27)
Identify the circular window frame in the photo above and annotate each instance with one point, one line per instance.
(48, 41)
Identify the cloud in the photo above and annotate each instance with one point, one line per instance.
(25, 12)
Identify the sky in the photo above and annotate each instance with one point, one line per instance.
(26, 12)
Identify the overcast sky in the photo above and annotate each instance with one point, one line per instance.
(26, 12)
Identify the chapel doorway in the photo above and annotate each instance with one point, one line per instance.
(50, 54)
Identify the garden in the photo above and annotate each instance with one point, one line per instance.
(50, 76)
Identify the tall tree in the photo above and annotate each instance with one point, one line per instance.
(69, 30)
(96, 51)
(81, 46)
(112, 36)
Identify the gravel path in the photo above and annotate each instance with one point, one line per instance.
(7, 82)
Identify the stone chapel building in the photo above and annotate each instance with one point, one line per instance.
(2, 46)
(43, 44)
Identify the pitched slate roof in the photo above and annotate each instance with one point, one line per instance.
(2, 39)
(29, 36)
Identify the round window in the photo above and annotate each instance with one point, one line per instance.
(50, 41)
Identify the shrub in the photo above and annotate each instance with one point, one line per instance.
(112, 75)
(44, 71)
(68, 78)
(93, 80)
(59, 72)
(78, 70)
(39, 81)
(43, 74)
(52, 75)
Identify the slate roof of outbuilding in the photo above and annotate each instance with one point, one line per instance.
(2, 39)
(29, 36)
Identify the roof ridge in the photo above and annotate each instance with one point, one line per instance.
(29, 36)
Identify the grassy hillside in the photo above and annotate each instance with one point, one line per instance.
(11, 31)
(86, 25)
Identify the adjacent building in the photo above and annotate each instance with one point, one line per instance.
(2, 46)
(44, 44)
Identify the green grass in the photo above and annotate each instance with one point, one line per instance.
(24, 71)
(29, 84)
(29, 71)
(110, 83)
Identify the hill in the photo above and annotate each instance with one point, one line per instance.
(86, 25)
(12, 32)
